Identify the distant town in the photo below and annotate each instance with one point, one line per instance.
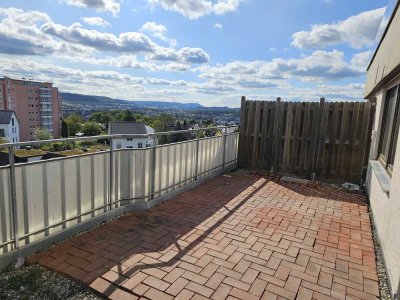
(33, 111)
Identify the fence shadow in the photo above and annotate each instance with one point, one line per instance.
(156, 230)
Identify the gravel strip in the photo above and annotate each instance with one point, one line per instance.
(380, 265)
(35, 282)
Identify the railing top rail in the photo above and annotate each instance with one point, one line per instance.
(109, 136)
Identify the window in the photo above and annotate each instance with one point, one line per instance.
(12, 121)
(390, 128)
(140, 145)
(129, 139)
(2, 133)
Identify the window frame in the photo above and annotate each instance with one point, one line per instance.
(394, 124)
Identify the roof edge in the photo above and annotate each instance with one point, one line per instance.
(384, 33)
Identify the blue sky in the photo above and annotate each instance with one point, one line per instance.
(206, 51)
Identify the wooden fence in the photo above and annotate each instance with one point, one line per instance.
(328, 139)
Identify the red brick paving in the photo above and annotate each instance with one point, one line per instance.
(237, 236)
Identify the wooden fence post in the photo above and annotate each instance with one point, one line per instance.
(255, 155)
(277, 136)
(317, 140)
(242, 141)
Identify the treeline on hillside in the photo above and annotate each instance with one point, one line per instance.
(97, 124)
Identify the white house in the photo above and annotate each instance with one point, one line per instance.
(9, 126)
(132, 128)
(383, 178)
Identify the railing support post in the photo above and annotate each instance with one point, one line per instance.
(224, 149)
(14, 210)
(196, 167)
(153, 172)
(111, 175)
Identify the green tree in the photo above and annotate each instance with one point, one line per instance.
(91, 128)
(126, 115)
(164, 122)
(64, 129)
(101, 117)
(74, 123)
(42, 134)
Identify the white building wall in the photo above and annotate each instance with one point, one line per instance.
(11, 132)
(385, 206)
(132, 143)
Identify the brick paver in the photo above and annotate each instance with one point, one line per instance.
(240, 235)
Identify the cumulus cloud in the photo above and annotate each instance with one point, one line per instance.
(218, 26)
(319, 66)
(112, 6)
(357, 31)
(184, 55)
(126, 42)
(95, 21)
(158, 31)
(132, 42)
(34, 33)
(194, 9)
(20, 35)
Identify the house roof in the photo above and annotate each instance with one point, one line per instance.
(127, 128)
(5, 116)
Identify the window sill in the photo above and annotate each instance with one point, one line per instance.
(381, 174)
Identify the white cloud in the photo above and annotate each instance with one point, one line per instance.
(357, 31)
(95, 21)
(319, 66)
(112, 6)
(158, 31)
(184, 55)
(194, 9)
(131, 42)
(218, 26)
(20, 35)
(126, 42)
(34, 33)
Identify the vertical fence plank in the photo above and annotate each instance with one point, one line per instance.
(242, 131)
(278, 133)
(264, 162)
(303, 164)
(255, 153)
(322, 152)
(295, 142)
(366, 129)
(286, 144)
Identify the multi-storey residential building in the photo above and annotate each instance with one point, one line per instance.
(35, 103)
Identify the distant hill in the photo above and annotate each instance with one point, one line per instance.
(73, 99)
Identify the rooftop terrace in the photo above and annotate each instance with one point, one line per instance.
(237, 236)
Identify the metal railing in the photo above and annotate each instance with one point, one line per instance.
(44, 197)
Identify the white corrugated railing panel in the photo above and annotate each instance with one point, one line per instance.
(5, 212)
(51, 192)
(56, 194)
